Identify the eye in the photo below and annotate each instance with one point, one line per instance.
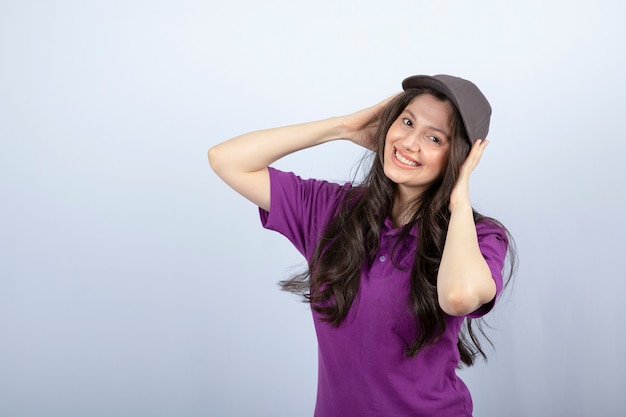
(407, 122)
(434, 139)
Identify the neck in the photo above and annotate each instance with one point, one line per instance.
(400, 212)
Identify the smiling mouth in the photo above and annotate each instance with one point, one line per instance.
(404, 160)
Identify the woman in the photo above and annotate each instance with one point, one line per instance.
(397, 264)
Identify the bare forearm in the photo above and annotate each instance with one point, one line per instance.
(242, 161)
(256, 150)
(464, 282)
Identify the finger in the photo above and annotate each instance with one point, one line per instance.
(478, 148)
(475, 154)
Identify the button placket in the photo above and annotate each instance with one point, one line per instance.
(383, 251)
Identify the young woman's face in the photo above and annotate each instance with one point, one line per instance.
(417, 145)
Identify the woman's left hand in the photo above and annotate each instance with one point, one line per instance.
(460, 193)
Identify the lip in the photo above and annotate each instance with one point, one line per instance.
(402, 164)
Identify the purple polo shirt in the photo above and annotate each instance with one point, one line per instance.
(363, 370)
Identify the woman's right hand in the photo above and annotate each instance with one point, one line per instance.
(361, 126)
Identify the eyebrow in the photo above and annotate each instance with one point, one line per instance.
(446, 134)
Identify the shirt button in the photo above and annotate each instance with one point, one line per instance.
(382, 258)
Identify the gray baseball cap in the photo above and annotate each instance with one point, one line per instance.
(468, 99)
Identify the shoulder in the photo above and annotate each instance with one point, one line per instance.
(493, 241)
(487, 228)
(301, 208)
(287, 184)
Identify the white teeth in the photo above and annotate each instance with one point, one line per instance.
(404, 160)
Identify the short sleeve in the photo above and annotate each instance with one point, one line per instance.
(301, 209)
(493, 245)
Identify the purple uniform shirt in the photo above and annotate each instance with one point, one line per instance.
(363, 369)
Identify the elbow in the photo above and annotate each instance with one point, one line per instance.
(462, 294)
(214, 157)
(458, 303)
(463, 300)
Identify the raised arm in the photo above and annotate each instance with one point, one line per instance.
(464, 281)
(242, 161)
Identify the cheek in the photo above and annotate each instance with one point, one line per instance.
(441, 160)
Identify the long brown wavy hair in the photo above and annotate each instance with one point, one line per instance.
(352, 237)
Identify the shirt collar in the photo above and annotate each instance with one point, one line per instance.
(388, 228)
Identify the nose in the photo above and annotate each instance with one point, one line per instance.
(410, 143)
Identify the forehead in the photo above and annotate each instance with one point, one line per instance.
(431, 109)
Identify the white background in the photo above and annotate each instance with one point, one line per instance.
(134, 283)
